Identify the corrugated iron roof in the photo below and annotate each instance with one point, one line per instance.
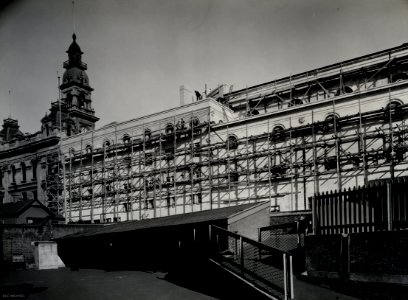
(181, 219)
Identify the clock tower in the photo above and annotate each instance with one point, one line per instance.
(75, 109)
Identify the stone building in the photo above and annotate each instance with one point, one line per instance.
(30, 167)
(335, 127)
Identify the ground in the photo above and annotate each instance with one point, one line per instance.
(92, 284)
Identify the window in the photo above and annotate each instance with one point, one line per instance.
(148, 159)
(126, 139)
(344, 90)
(13, 173)
(88, 149)
(331, 123)
(169, 128)
(34, 167)
(147, 134)
(399, 77)
(330, 163)
(194, 122)
(23, 171)
(47, 129)
(232, 142)
(278, 134)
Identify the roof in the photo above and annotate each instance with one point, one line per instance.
(74, 47)
(14, 209)
(175, 220)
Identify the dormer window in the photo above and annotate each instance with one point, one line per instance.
(344, 90)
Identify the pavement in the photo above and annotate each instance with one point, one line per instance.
(90, 284)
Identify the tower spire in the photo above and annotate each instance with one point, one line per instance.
(73, 18)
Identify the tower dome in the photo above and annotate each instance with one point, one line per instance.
(74, 47)
(75, 75)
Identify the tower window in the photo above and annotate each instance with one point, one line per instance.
(34, 167)
(13, 174)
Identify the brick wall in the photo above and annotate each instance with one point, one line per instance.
(16, 239)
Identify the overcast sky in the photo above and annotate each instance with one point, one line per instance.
(140, 52)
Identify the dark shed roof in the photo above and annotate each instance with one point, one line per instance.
(182, 219)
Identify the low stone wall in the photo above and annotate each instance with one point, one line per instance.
(369, 256)
(17, 239)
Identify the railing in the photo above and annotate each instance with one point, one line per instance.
(381, 206)
(67, 64)
(267, 268)
(285, 237)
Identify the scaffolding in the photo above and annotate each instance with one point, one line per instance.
(190, 165)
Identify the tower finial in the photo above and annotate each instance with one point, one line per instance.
(74, 36)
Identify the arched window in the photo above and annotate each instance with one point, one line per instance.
(295, 102)
(194, 122)
(232, 142)
(34, 168)
(106, 145)
(23, 171)
(147, 134)
(253, 112)
(13, 174)
(47, 129)
(332, 122)
(126, 139)
(169, 128)
(394, 110)
(88, 149)
(68, 100)
(81, 100)
(399, 77)
(278, 133)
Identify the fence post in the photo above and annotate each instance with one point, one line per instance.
(298, 233)
(314, 214)
(241, 245)
(389, 207)
(292, 296)
(285, 288)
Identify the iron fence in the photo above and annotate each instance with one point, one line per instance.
(381, 206)
(269, 269)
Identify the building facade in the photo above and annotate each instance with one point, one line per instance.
(30, 164)
(335, 127)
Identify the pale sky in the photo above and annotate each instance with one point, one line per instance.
(140, 51)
